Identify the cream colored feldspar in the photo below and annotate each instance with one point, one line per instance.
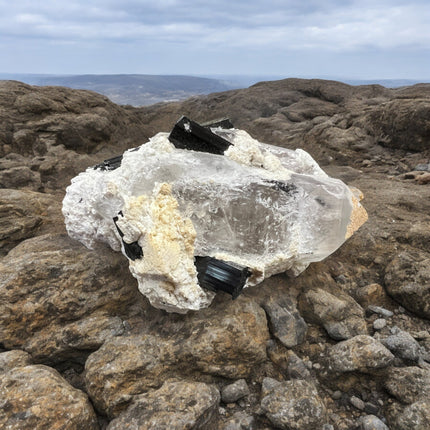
(167, 275)
(358, 215)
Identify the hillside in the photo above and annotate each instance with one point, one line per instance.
(345, 345)
(135, 90)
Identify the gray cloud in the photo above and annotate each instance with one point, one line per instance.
(276, 26)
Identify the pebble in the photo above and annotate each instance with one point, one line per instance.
(268, 384)
(233, 392)
(357, 403)
(380, 311)
(379, 323)
(403, 345)
(336, 395)
(327, 427)
(371, 422)
(422, 167)
(370, 408)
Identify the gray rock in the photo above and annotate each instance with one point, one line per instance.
(285, 322)
(339, 314)
(362, 353)
(175, 406)
(268, 384)
(371, 422)
(357, 403)
(379, 323)
(37, 397)
(407, 279)
(233, 392)
(294, 405)
(336, 395)
(403, 345)
(385, 313)
(20, 177)
(408, 384)
(297, 368)
(415, 416)
(370, 408)
(239, 421)
(15, 358)
(422, 167)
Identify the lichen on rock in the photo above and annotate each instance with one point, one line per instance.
(258, 208)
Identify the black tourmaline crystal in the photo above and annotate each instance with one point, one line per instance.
(215, 275)
(187, 134)
(109, 164)
(133, 250)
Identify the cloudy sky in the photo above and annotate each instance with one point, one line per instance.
(362, 39)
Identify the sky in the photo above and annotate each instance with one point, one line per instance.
(362, 39)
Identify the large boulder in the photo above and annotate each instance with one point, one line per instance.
(59, 300)
(228, 339)
(294, 405)
(175, 406)
(36, 397)
(26, 214)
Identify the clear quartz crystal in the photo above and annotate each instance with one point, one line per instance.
(267, 208)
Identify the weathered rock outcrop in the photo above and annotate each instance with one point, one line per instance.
(59, 300)
(74, 309)
(37, 397)
(226, 340)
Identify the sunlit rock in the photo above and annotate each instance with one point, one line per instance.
(220, 219)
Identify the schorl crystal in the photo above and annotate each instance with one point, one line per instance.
(132, 250)
(217, 275)
(187, 134)
(109, 164)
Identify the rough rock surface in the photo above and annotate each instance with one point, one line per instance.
(347, 130)
(26, 214)
(415, 416)
(175, 406)
(339, 314)
(37, 397)
(233, 392)
(286, 324)
(403, 345)
(408, 384)
(232, 345)
(408, 281)
(12, 359)
(294, 405)
(362, 353)
(58, 299)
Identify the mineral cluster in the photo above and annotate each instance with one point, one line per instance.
(208, 208)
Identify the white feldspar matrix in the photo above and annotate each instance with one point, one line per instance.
(183, 217)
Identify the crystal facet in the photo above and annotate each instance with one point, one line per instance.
(191, 221)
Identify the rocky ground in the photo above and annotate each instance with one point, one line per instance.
(346, 345)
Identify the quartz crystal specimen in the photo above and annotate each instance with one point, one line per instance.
(209, 208)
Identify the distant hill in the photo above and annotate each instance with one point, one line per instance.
(135, 90)
(144, 90)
